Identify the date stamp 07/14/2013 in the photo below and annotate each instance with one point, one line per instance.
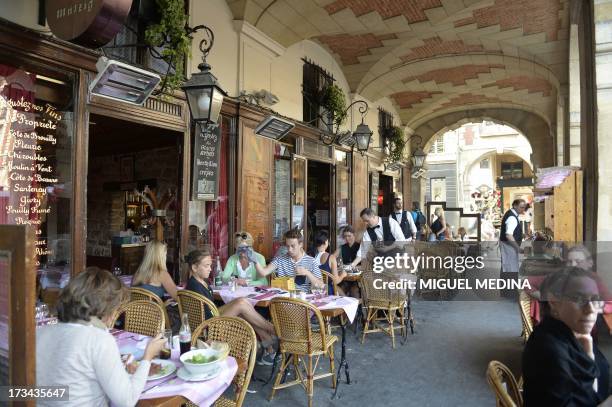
(23, 393)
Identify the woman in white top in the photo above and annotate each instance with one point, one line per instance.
(80, 353)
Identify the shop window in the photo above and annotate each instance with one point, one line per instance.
(512, 170)
(484, 164)
(385, 123)
(282, 194)
(314, 81)
(37, 130)
(209, 220)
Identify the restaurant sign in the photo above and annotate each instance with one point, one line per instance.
(91, 23)
(206, 155)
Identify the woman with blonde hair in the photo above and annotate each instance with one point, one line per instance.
(438, 227)
(81, 354)
(239, 265)
(152, 274)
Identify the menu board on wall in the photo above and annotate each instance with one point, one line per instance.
(374, 191)
(35, 161)
(206, 155)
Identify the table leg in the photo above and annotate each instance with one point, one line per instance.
(343, 362)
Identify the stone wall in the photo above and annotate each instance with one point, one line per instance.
(105, 209)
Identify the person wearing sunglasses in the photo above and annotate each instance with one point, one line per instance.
(239, 265)
(561, 364)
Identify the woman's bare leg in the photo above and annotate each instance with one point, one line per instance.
(240, 307)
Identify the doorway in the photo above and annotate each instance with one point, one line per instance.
(125, 157)
(385, 195)
(319, 193)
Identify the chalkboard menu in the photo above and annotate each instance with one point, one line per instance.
(374, 191)
(206, 151)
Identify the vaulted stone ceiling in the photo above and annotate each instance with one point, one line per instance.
(433, 57)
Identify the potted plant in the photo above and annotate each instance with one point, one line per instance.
(396, 143)
(170, 35)
(334, 102)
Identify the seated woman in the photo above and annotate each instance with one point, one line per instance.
(200, 262)
(88, 353)
(349, 250)
(327, 262)
(152, 273)
(579, 256)
(561, 364)
(239, 265)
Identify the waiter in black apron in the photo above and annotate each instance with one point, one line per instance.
(510, 239)
(404, 218)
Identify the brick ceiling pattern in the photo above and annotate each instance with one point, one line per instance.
(350, 47)
(407, 99)
(413, 10)
(437, 46)
(432, 56)
(456, 75)
(532, 85)
(532, 16)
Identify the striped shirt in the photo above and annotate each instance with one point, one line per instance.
(286, 267)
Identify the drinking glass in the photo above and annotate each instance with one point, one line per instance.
(166, 351)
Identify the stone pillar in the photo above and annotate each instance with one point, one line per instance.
(602, 13)
(574, 97)
(561, 120)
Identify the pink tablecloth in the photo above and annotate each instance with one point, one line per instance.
(203, 393)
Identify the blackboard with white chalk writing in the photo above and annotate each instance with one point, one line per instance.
(206, 149)
(374, 191)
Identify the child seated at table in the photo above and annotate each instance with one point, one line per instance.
(200, 262)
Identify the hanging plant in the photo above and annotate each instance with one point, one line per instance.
(334, 102)
(396, 144)
(171, 36)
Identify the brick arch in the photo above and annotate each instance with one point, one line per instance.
(532, 126)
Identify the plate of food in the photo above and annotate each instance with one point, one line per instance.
(159, 369)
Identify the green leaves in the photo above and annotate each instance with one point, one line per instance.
(170, 34)
(397, 142)
(335, 102)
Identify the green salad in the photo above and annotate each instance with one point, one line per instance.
(199, 358)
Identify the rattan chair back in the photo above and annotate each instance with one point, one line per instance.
(525, 310)
(242, 341)
(502, 382)
(291, 319)
(327, 277)
(141, 294)
(143, 317)
(195, 304)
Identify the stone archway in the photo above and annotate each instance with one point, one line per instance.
(533, 127)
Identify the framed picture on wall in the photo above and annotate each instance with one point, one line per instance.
(126, 168)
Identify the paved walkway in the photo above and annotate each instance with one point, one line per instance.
(443, 364)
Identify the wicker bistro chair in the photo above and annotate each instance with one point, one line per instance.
(243, 347)
(195, 304)
(389, 302)
(143, 317)
(299, 344)
(435, 269)
(502, 382)
(525, 310)
(140, 294)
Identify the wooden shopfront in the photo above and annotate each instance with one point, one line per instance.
(71, 161)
